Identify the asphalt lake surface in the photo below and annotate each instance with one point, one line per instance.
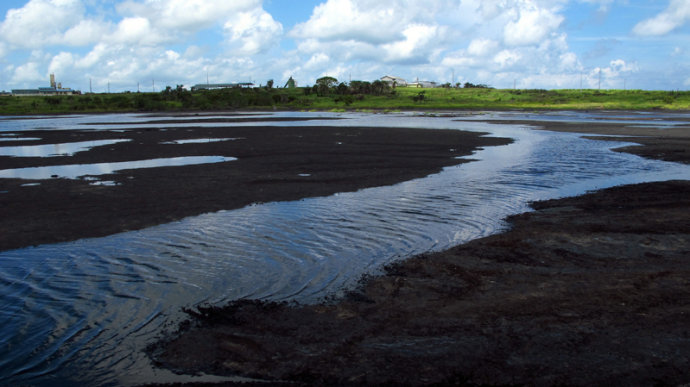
(83, 311)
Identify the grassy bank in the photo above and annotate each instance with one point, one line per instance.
(348, 99)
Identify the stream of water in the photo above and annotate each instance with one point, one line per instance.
(82, 312)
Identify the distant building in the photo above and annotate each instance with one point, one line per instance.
(54, 89)
(424, 84)
(216, 86)
(394, 81)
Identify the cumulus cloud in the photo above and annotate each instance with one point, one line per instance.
(482, 47)
(392, 32)
(367, 21)
(253, 31)
(676, 15)
(41, 22)
(531, 25)
(186, 15)
(248, 27)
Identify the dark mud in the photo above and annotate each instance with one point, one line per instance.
(272, 166)
(586, 290)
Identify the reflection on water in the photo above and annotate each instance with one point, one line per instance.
(200, 140)
(76, 170)
(83, 311)
(52, 150)
(4, 139)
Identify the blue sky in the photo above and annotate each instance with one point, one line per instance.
(527, 43)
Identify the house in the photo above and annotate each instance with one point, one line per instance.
(394, 81)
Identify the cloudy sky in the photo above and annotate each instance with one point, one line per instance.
(148, 44)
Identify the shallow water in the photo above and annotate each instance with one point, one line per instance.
(73, 171)
(52, 150)
(83, 311)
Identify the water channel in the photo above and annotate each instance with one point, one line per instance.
(82, 312)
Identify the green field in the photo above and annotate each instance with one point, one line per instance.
(345, 98)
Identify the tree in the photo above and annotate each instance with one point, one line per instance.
(324, 84)
(269, 84)
(327, 81)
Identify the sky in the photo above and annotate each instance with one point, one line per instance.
(130, 45)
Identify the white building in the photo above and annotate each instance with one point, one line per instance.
(394, 81)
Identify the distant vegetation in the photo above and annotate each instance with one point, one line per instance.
(329, 94)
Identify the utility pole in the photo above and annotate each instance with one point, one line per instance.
(90, 89)
(137, 87)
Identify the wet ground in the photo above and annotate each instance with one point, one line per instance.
(586, 290)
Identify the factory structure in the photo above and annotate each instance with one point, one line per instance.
(54, 89)
(216, 86)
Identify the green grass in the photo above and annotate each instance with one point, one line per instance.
(300, 99)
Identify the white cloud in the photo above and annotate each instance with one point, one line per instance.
(398, 31)
(85, 33)
(416, 47)
(27, 72)
(249, 28)
(61, 63)
(186, 15)
(41, 22)
(507, 58)
(134, 30)
(531, 26)
(676, 15)
(612, 76)
(482, 47)
(253, 31)
(373, 22)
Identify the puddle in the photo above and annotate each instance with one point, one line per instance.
(76, 170)
(200, 140)
(54, 150)
(6, 139)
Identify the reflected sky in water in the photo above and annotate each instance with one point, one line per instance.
(52, 150)
(76, 170)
